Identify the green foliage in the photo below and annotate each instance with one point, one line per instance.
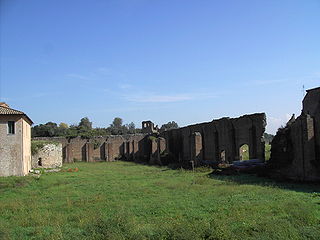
(267, 151)
(83, 129)
(117, 122)
(268, 137)
(244, 152)
(152, 138)
(63, 126)
(96, 143)
(85, 124)
(123, 200)
(169, 125)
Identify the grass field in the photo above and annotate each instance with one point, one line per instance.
(122, 200)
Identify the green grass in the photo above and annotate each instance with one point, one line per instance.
(122, 200)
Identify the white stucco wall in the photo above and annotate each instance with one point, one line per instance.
(15, 149)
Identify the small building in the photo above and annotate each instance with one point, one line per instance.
(15, 142)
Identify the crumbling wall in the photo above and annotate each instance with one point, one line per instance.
(108, 148)
(49, 156)
(295, 148)
(217, 141)
(204, 143)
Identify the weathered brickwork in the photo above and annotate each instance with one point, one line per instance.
(295, 148)
(107, 148)
(212, 142)
(217, 141)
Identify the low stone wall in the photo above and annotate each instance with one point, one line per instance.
(49, 156)
(133, 147)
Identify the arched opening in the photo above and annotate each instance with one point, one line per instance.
(244, 152)
(40, 162)
(223, 156)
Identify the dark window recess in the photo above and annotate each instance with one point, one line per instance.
(11, 129)
(40, 162)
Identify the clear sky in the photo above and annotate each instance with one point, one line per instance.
(159, 60)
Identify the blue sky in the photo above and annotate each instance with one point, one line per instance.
(187, 61)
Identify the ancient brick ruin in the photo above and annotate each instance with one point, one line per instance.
(211, 142)
(295, 150)
(217, 141)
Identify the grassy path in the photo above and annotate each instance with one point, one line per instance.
(122, 200)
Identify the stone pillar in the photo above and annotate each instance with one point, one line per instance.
(106, 149)
(124, 150)
(196, 148)
(136, 150)
(89, 152)
(161, 144)
(309, 146)
(161, 147)
(128, 155)
(133, 150)
(110, 152)
(153, 152)
(69, 153)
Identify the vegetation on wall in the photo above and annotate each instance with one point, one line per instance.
(169, 125)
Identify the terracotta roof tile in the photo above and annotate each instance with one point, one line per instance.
(10, 111)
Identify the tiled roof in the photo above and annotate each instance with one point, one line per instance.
(10, 111)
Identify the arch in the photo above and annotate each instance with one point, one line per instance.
(223, 156)
(40, 162)
(244, 152)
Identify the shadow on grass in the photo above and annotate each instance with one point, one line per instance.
(250, 179)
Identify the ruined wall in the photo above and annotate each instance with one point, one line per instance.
(15, 157)
(311, 106)
(295, 148)
(49, 156)
(109, 148)
(217, 141)
(211, 142)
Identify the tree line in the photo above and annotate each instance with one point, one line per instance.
(85, 129)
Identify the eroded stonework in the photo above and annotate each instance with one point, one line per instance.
(49, 156)
(204, 143)
(217, 141)
(295, 150)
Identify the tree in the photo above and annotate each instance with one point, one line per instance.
(50, 129)
(169, 125)
(85, 124)
(117, 122)
(116, 127)
(63, 126)
(131, 128)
